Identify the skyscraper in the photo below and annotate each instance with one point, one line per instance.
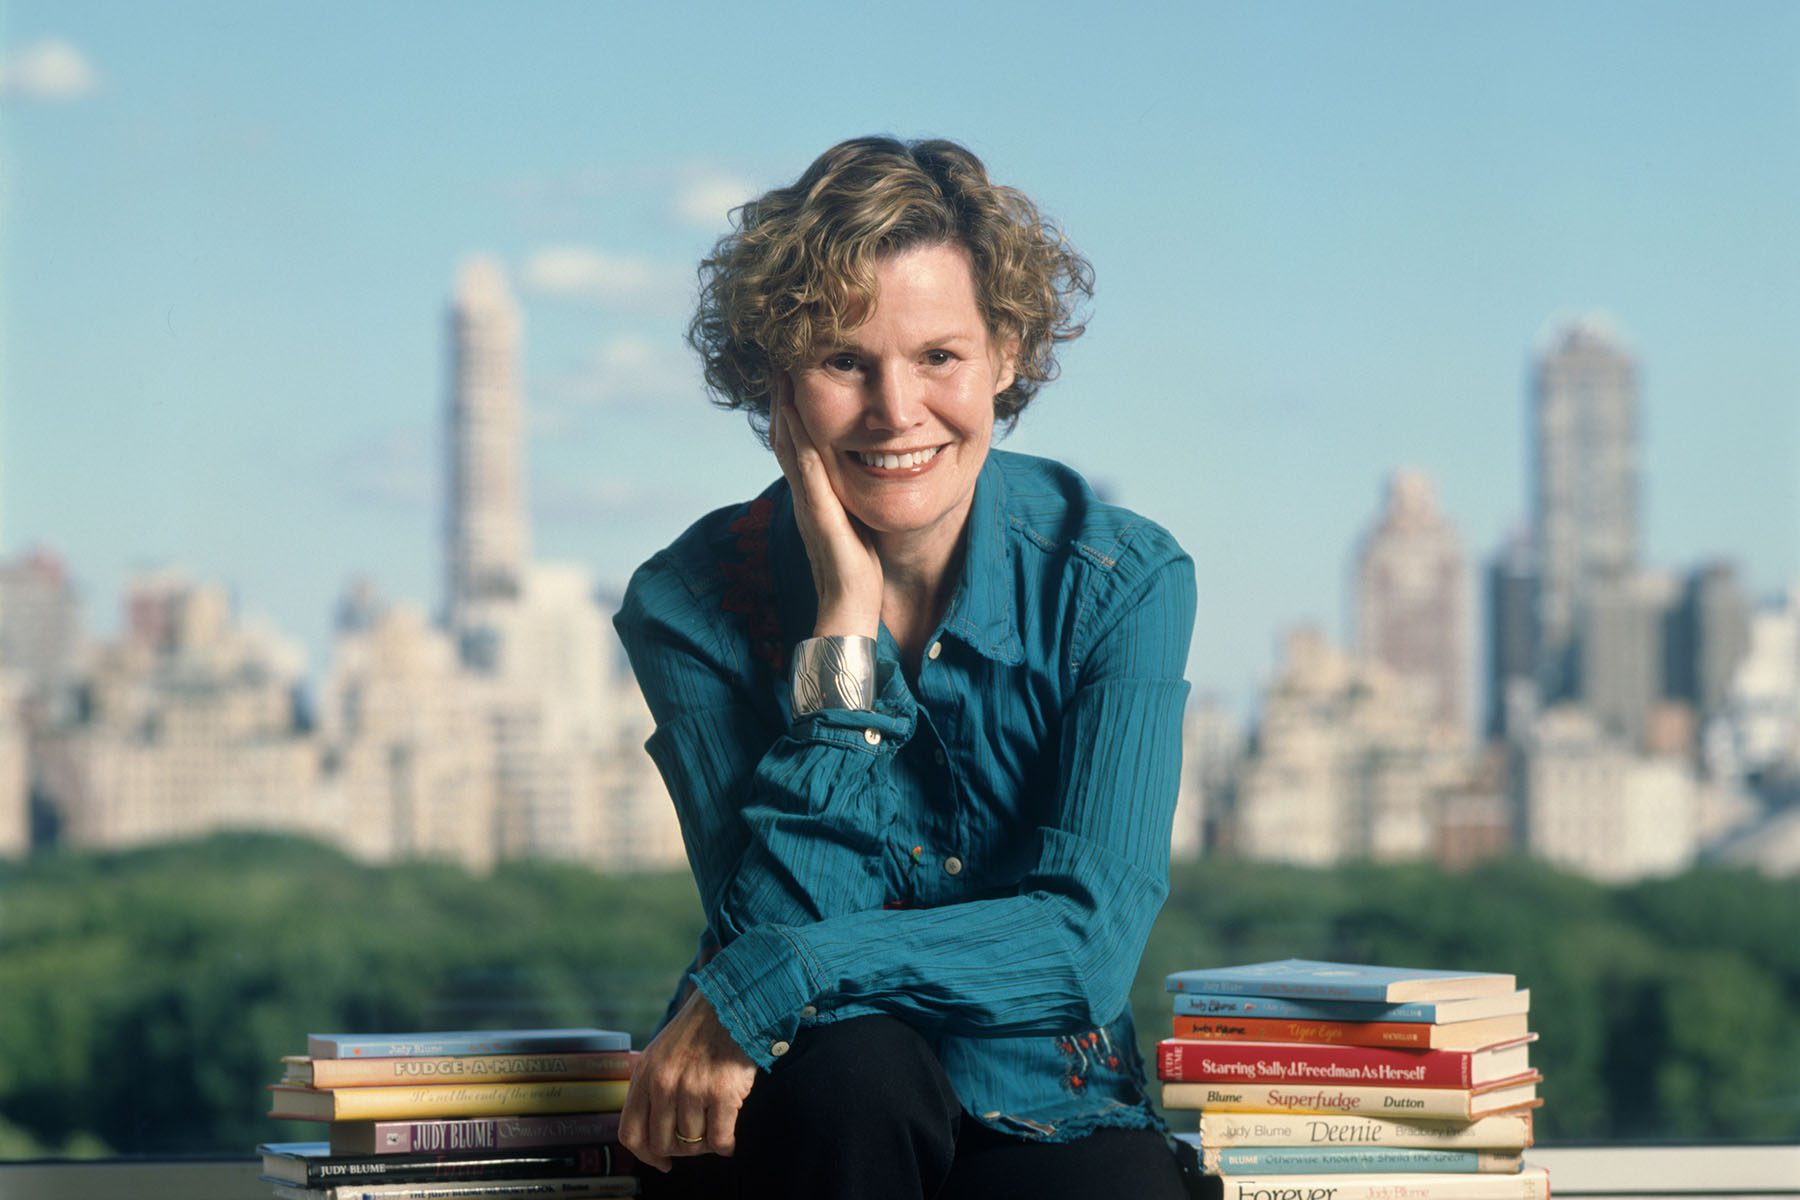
(1412, 609)
(486, 529)
(1585, 486)
(1511, 636)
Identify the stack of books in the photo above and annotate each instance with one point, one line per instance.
(434, 1116)
(1372, 1082)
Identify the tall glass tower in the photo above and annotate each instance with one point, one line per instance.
(1584, 486)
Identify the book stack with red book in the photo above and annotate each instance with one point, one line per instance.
(1374, 1082)
(431, 1116)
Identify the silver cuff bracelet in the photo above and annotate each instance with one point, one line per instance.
(834, 672)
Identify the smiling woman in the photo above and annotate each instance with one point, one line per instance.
(930, 855)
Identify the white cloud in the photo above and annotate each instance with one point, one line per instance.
(627, 370)
(396, 469)
(597, 499)
(49, 69)
(583, 273)
(706, 197)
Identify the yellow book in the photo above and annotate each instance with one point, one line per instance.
(447, 1100)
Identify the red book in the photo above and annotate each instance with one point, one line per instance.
(1181, 1060)
(1393, 1035)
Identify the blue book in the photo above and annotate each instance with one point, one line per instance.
(470, 1041)
(1309, 980)
(1332, 1160)
(1445, 1012)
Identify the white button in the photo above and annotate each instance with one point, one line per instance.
(953, 865)
(937, 648)
(809, 1011)
(778, 1049)
(872, 736)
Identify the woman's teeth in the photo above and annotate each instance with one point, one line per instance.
(895, 461)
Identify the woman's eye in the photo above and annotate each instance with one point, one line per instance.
(938, 358)
(841, 363)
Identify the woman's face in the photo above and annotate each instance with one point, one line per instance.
(902, 410)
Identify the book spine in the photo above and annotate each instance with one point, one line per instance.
(1265, 1062)
(1367, 991)
(1361, 1160)
(559, 1162)
(438, 1044)
(476, 1133)
(1530, 1184)
(1197, 1004)
(477, 1100)
(1435, 1104)
(471, 1068)
(1506, 1131)
(1415, 1034)
(495, 1189)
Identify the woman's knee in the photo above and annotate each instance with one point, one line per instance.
(854, 1069)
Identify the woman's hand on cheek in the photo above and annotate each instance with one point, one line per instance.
(846, 571)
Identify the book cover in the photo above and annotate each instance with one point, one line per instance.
(470, 1068)
(1533, 1183)
(1191, 1061)
(446, 1100)
(312, 1164)
(1315, 980)
(1502, 1131)
(489, 1189)
(1431, 1012)
(1436, 1104)
(477, 1041)
(472, 1134)
(1416, 1035)
(1355, 1160)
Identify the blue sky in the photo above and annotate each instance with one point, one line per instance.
(1327, 237)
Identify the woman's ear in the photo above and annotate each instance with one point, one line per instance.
(1009, 359)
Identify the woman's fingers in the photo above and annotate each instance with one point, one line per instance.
(691, 1130)
(636, 1122)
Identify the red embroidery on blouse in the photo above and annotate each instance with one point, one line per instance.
(750, 585)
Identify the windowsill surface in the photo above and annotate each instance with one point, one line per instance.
(1615, 1172)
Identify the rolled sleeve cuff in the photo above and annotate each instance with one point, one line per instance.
(758, 985)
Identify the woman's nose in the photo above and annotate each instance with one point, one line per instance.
(894, 399)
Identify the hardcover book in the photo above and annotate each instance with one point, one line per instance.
(479, 1041)
(1436, 1104)
(489, 1189)
(457, 1068)
(1444, 1012)
(1314, 980)
(1355, 1160)
(446, 1100)
(1533, 1183)
(1186, 1060)
(1502, 1131)
(473, 1134)
(1418, 1035)
(312, 1164)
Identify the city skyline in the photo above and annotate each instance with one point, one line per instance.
(270, 309)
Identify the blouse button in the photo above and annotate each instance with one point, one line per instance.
(937, 648)
(872, 736)
(953, 865)
(778, 1049)
(809, 1011)
(939, 755)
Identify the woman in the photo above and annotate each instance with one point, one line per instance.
(919, 708)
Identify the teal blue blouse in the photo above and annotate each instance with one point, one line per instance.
(981, 856)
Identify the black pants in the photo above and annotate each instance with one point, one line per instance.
(860, 1109)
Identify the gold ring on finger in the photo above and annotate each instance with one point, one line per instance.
(682, 1137)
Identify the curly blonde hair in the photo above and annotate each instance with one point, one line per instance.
(798, 269)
